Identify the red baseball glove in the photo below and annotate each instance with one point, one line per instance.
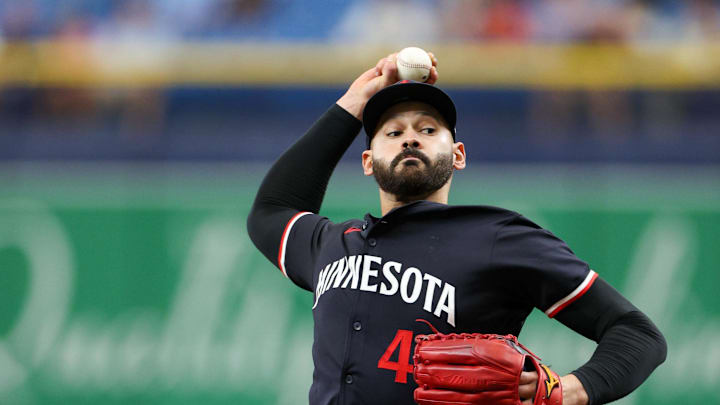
(474, 368)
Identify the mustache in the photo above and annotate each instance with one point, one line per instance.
(409, 152)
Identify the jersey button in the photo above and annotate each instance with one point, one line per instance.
(357, 325)
(372, 242)
(349, 379)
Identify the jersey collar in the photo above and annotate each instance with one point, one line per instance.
(401, 212)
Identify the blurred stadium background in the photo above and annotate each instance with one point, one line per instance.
(133, 135)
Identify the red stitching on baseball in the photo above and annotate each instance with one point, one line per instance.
(413, 65)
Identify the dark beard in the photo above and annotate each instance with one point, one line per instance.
(413, 182)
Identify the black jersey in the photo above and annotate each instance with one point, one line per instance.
(464, 268)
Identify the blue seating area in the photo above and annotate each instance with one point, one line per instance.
(366, 20)
(228, 120)
(257, 124)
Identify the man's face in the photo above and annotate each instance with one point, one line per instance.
(412, 153)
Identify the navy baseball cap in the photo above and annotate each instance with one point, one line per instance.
(403, 91)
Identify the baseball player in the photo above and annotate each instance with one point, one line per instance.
(462, 268)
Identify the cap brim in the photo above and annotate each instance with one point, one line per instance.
(407, 91)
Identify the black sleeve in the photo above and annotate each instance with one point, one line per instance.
(297, 183)
(629, 347)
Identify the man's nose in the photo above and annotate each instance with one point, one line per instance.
(411, 143)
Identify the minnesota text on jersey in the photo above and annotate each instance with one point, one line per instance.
(363, 271)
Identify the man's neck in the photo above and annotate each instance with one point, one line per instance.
(388, 202)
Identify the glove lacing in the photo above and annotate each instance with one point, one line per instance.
(510, 339)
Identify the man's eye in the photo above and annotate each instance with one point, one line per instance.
(394, 133)
(427, 130)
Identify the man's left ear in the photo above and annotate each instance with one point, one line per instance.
(459, 155)
(367, 162)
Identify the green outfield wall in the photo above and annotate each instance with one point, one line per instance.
(137, 284)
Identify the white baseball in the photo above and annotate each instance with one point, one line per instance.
(413, 64)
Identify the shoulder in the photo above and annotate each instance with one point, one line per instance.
(345, 227)
(325, 231)
(324, 224)
(486, 215)
(475, 212)
(486, 218)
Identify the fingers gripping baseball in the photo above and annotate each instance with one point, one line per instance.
(393, 71)
(388, 62)
(433, 70)
(385, 73)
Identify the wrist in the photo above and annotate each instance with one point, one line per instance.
(573, 391)
(352, 104)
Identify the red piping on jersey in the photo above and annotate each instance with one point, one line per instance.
(353, 229)
(435, 331)
(281, 251)
(578, 295)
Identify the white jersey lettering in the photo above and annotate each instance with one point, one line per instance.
(320, 288)
(432, 283)
(353, 272)
(342, 271)
(363, 271)
(369, 272)
(405, 283)
(388, 269)
(331, 275)
(447, 303)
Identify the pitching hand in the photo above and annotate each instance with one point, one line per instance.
(375, 79)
